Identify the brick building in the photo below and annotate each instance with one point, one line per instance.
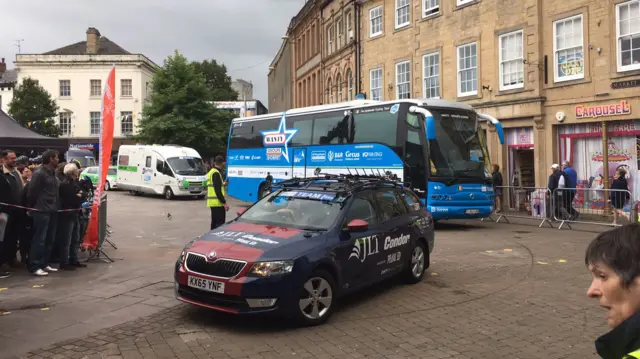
(305, 36)
(553, 72)
(339, 48)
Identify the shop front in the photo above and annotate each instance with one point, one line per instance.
(582, 144)
(521, 165)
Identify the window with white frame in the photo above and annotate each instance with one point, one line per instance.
(64, 122)
(431, 75)
(403, 13)
(628, 35)
(340, 27)
(375, 19)
(126, 123)
(430, 7)
(126, 88)
(511, 59)
(94, 124)
(403, 80)
(467, 70)
(375, 84)
(95, 87)
(463, 2)
(349, 85)
(568, 48)
(65, 88)
(330, 35)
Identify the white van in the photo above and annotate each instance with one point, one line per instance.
(169, 170)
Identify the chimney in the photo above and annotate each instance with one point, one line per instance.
(3, 67)
(93, 40)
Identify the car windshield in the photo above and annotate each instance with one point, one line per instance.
(187, 166)
(85, 161)
(112, 172)
(459, 150)
(307, 210)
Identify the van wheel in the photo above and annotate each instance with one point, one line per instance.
(316, 300)
(168, 193)
(417, 263)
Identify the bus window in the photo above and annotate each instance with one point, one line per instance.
(375, 125)
(330, 128)
(304, 125)
(248, 134)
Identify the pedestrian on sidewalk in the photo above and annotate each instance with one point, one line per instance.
(619, 194)
(216, 193)
(571, 187)
(5, 197)
(496, 178)
(9, 249)
(613, 258)
(43, 198)
(68, 227)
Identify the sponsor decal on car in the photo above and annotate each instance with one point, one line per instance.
(364, 247)
(321, 196)
(390, 243)
(393, 257)
(244, 238)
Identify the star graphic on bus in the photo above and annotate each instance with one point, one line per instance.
(280, 137)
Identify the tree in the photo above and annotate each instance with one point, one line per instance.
(33, 107)
(217, 80)
(180, 110)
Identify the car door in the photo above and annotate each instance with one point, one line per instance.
(396, 236)
(357, 252)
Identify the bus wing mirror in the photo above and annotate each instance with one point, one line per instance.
(430, 123)
(494, 121)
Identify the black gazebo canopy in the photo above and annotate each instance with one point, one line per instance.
(14, 136)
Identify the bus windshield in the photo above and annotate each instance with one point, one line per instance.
(459, 150)
(187, 166)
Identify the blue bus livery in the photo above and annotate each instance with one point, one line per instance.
(437, 147)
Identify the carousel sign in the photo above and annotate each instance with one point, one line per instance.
(618, 109)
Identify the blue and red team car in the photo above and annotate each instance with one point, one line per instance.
(305, 244)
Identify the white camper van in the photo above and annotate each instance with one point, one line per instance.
(169, 170)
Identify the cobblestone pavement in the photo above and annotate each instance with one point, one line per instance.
(493, 291)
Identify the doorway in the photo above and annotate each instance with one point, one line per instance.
(522, 177)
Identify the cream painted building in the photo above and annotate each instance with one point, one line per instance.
(75, 75)
(553, 72)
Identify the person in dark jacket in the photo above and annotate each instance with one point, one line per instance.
(619, 194)
(70, 202)
(27, 234)
(43, 196)
(555, 205)
(613, 258)
(496, 177)
(6, 198)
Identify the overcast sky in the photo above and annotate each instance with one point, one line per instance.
(243, 34)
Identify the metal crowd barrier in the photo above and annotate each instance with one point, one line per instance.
(595, 206)
(103, 233)
(523, 202)
(567, 205)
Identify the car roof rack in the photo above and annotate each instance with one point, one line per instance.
(345, 182)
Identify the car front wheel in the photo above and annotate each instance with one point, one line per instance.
(418, 263)
(107, 186)
(317, 298)
(168, 193)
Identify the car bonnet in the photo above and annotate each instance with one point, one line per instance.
(246, 241)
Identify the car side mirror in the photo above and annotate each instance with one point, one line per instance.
(357, 225)
(241, 211)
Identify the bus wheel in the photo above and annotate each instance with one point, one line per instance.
(168, 193)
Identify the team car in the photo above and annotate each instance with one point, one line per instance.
(305, 244)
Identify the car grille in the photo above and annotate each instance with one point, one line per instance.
(215, 299)
(222, 268)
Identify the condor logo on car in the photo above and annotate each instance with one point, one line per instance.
(390, 243)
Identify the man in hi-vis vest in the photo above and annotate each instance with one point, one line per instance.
(216, 193)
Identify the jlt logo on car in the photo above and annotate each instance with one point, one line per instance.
(364, 247)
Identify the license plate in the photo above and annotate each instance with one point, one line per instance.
(206, 284)
(471, 211)
(196, 189)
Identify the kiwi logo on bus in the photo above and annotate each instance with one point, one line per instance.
(280, 137)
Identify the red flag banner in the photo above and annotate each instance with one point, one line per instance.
(91, 238)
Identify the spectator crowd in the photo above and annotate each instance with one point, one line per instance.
(43, 207)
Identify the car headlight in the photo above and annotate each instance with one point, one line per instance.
(186, 247)
(267, 269)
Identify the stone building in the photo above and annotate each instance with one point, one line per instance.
(305, 34)
(339, 45)
(279, 79)
(553, 72)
